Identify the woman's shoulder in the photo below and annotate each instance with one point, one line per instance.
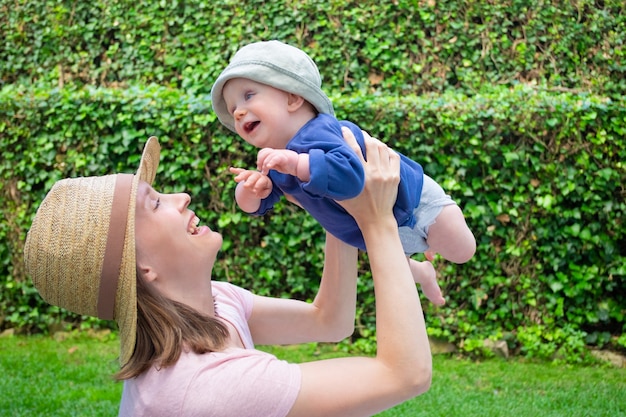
(232, 294)
(229, 380)
(265, 385)
(234, 304)
(226, 288)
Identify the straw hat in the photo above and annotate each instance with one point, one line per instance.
(276, 64)
(80, 249)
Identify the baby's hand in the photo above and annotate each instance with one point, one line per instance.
(252, 182)
(281, 160)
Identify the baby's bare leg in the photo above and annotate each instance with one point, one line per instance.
(450, 236)
(425, 275)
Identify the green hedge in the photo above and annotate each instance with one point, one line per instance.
(538, 170)
(540, 176)
(404, 46)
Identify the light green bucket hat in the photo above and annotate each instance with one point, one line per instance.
(276, 64)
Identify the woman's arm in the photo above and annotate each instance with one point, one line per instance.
(329, 318)
(402, 368)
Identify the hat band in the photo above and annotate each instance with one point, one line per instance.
(115, 246)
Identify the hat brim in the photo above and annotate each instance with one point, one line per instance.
(149, 160)
(126, 296)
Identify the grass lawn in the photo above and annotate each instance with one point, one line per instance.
(42, 376)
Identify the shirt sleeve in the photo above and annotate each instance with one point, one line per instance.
(335, 169)
(268, 202)
(247, 383)
(232, 383)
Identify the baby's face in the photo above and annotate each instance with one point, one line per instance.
(261, 113)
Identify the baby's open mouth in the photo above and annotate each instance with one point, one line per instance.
(249, 127)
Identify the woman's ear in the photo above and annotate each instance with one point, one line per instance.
(146, 273)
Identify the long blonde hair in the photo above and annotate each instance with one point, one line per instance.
(166, 327)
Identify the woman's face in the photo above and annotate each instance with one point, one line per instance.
(169, 240)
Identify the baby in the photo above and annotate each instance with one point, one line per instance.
(270, 94)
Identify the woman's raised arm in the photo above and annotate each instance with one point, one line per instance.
(330, 318)
(402, 368)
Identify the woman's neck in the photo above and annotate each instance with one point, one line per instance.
(198, 296)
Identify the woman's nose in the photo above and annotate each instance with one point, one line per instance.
(183, 200)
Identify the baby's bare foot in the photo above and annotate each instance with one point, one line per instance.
(424, 274)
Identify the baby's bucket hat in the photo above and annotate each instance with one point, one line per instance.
(80, 249)
(276, 64)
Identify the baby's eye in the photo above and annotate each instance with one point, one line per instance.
(157, 203)
(248, 96)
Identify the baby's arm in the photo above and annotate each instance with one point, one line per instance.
(284, 161)
(252, 187)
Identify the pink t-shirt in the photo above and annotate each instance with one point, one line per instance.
(232, 383)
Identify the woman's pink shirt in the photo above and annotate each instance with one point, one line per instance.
(232, 383)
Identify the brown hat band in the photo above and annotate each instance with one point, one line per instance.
(114, 247)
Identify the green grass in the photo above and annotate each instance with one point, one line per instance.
(41, 376)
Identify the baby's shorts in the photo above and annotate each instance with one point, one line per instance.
(432, 201)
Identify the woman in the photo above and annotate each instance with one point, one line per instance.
(115, 248)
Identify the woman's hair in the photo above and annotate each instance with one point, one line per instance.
(165, 328)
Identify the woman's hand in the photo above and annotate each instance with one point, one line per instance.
(382, 176)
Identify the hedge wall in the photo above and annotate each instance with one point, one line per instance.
(540, 176)
(402, 46)
(516, 107)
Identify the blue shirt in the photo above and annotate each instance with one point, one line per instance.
(337, 174)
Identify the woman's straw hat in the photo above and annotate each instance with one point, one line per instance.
(80, 249)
